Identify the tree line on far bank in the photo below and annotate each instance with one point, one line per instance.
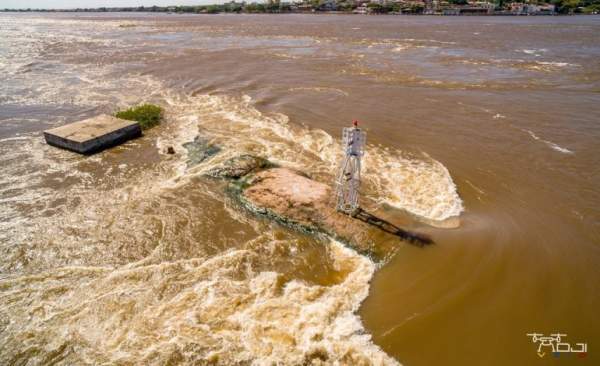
(275, 6)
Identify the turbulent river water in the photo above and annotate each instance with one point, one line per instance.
(483, 133)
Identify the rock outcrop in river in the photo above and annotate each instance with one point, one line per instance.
(293, 199)
(297, 200)
(238, 167)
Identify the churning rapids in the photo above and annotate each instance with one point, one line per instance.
(124, 257)
(132, 257)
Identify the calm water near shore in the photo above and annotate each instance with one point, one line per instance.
(483, 132)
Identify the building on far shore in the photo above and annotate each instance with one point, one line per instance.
(428, 7)
(532, 9)
(361, 9)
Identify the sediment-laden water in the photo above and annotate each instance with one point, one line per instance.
(483, 133)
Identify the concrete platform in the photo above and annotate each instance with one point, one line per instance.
(94, 134)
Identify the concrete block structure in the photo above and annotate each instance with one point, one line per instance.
(93, 135)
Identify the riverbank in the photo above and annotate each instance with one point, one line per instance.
(359, 11)
(396, 7)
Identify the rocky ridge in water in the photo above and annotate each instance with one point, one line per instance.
(294, 199)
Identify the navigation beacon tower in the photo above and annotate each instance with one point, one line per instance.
(348, 179)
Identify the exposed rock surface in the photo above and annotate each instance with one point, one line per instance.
(238, 167)
(291, 198)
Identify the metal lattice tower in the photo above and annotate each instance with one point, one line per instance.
(348, 179)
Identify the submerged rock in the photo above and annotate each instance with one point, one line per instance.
(199, 150)
(238, 167)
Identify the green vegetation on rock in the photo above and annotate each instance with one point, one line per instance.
(147, 115)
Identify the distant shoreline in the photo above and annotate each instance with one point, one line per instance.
(360, 7)
(70, 11)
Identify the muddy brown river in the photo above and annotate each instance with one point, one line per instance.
(483, 133)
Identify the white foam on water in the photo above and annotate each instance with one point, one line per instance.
(550, 144)
(556, 63)
(419, 185)
(400, 48)
(559, 148)
(536, 52)
(321, 89)
(210, 315)
(16, 138)
(206, 309)
(203, 310)
(422, 187)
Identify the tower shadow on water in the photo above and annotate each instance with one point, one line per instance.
(417, 239)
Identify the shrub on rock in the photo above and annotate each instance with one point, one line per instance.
(147, 115)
